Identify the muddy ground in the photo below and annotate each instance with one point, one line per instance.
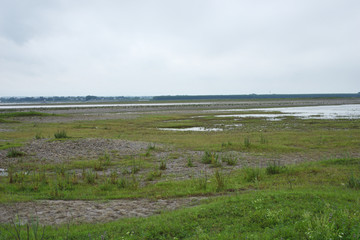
(51, 212)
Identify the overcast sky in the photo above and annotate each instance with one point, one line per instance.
(165, 47)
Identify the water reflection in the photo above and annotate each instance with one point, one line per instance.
(350, 111)
(193, 129)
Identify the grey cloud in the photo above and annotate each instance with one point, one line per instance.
(178, 47)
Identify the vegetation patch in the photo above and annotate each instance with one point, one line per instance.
(60, 134)
(13, 152)
(25, 114)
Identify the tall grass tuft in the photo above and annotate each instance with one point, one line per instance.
(353, 182)
(263, 140)
(162, 165)
(211, 158)
(60, 134)
(151, 146)
(32, 229)
(90, 177)
(274, 168)
(220, 181)
(38, 136)
(230, 159)
(202, 181)
(13, 152)
(190, 162)
(247, 142)
(206, 158)
(252, 174)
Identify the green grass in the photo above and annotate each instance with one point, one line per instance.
(287, 136)
(25, 114)
(312, 200)
(302, 214)
(327, 173)
(13, 152)
(61, 134)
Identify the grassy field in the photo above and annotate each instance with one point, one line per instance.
(288, 179)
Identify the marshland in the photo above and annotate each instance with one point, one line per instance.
(257, 169)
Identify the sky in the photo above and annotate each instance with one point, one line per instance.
(162, 47)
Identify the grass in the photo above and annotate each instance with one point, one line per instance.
(354, 182)
(190, 162)
(230, 159)
(303, 214)
(60, 134)
(13, 152)
(312, 200)
(211, 158)
(304, 209)
(275, 168)
(25, 114)
(162, 165)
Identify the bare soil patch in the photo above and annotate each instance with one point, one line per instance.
(61, 151)
(51, 212)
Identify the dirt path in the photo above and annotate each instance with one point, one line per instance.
(50, 212)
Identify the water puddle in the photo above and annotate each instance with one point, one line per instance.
(193, 129)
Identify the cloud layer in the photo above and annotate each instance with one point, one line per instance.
(163, 47)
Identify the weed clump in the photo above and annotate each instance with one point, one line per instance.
(211, 158)
(263, 140)
(353, 182)
(274, 168)
(247, 142)
(226, 144)
(13, 152)
(190, 162)
(230, 159)
(202, 181)
(60, 134)
(122, 183)
(153, 175)
(90, 176)
(151, 146)
(252, 174)
(220, 180)
(102, 162)
(38, 136)
(206, 158)
(162, 165)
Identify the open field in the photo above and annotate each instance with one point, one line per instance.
(116, 173)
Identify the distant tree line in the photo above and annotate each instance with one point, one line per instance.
(255, 96)
(55, 99)
(91, 98)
